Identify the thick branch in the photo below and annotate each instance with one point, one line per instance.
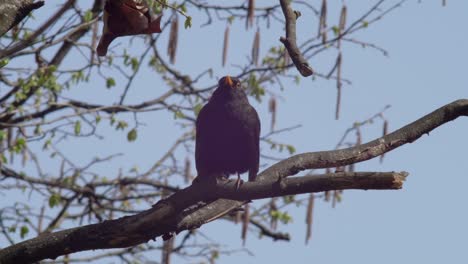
(372, 149)
(290, 41)
(182, 211)
(28, 41)
(166, 215)
(13, 11)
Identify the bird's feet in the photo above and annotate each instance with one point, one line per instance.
(239, 182)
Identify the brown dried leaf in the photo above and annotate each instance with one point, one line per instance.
(309, 218)
(256, 47)
(173, 38)
(226, 44)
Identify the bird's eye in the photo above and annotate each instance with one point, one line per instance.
(238, 85)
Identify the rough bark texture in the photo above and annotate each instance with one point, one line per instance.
(13, 11)
(185, 209)
(290, 41)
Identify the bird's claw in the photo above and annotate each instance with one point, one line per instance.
(239, 182)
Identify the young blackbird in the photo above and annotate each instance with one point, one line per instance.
(228, 134)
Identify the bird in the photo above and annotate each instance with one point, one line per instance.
(125, 18)
(227, 134)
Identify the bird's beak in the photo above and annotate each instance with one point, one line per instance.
(228, 81)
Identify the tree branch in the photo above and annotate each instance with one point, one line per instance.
(290, 41)
(14, 11)
(165, 216)
(185, 209)
(28, 41)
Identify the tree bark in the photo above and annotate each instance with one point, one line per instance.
(13, 11)
(199, 204)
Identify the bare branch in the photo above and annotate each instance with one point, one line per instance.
(290, 41)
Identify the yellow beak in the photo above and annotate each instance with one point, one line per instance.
(229, 81)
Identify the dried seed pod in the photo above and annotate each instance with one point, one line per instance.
(272, 110)
(168, 246)
(173, 38)
(250, 14)
(245, 223)
(358, 136)
(273, 208)
(385, 132)
(187, 172)
(256, 47)
(309, 212)
(343, 17)
(338, 86)
(24, 157)
(323, 22)
(226, 45)
(342, 24)
(334, 199)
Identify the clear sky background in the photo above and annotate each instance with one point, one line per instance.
(425, 222)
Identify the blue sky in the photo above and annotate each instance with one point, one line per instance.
(425, 69)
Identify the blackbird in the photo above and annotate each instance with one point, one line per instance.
(227, 134)
(126, 18)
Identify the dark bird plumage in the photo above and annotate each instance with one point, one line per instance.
(227, 134)
(126, 18)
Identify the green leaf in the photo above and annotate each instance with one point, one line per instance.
(4, 62)
(291, 149)
(88, 16)
(54, 200)
(336, 30)
(197, 108)
(178, 115)
(19, 145)
(188, 22)
(110, 82)
(183, 8)
(134, 62)
(77, 127)
(132, 135)
(121, 125)
(2, 135)
(24, 231)
(365, 23)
